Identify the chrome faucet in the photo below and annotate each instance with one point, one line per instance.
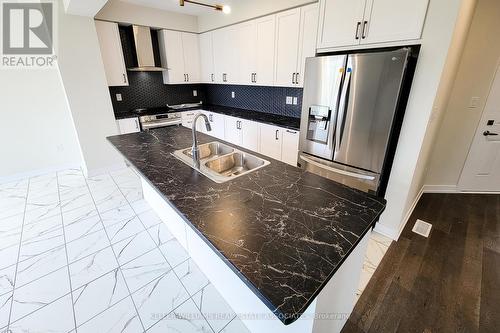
(195, 151)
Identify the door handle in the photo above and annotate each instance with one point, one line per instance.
(342, 110)
(488, 133)
(357, 29)
(363, 34)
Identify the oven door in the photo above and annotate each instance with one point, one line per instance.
(150, 122)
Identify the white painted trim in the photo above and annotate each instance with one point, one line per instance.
(387, 232)
(38, 172)
(440, 189)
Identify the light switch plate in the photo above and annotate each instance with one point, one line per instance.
(289, 100)
(474, 102)
(195, 93)
(119, 97)
(295, 101)
(232, 94)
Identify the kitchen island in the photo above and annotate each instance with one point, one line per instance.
(280, 244)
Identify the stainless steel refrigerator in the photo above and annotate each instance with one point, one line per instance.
(349, 108)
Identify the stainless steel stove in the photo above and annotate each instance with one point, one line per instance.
(169, 115)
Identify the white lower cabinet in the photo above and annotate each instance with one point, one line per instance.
(290, 149)
(216, 122)
(271, 141)
(187, 118)
(250, 135)
(232, 130)
(128, 125)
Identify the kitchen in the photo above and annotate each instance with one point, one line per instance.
(252, 170)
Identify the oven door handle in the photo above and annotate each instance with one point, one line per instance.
(339, 171)
(156, 124)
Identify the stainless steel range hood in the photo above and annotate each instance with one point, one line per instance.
(144, 50)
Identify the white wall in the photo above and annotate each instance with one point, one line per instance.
(36, 130)
(474, 77)
(84, 80)
(83, 7)
(244, 10)
(409, 163)
(123, 12)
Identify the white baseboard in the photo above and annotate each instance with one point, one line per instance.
(387, 232)
(38, 172)
(440, 189)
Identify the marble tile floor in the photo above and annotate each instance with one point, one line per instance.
(89, 255)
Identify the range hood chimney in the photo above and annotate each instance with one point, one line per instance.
(144, 50)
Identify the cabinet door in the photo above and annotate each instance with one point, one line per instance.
(112, 53)
(390, 20)
(250, 135)
(191, 52)
(265, 30)
(247, 52)
(220, 41)
(129, 125)
(290, 148)
(232, 132)
(270, 141)
(217, 123)
(187, 118)
(287, 47)
(307, 42)
(172, 56)
(339, 22)
(206, 58)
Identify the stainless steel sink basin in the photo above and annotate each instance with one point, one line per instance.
(221, 162)
(210, 150)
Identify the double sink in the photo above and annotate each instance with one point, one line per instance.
(220, 162)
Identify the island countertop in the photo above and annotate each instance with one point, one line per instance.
(284, 231)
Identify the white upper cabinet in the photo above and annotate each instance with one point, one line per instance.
(340, 22)
(296, 32)
(206, 58)
(394, 20)
(287, 47)
(357, 22)
(226, 55)
(264, 50)
(247, 49)
(307, 40)
(112, 53)
(180, 54)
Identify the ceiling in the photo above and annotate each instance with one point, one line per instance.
(173, 5)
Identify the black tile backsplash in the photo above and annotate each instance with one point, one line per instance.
(146, 89)
(256, 98)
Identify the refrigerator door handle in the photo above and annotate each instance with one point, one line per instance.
(342, 109)
(339, 171)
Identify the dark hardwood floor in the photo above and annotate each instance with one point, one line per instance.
(449, 282)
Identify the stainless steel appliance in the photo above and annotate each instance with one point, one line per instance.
(144, 51)
(348, 112)
(160, 120)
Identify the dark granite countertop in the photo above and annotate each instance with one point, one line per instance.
(268, 118)
(282, 230)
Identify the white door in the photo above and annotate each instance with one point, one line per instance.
(265, 27)
(340, 22)
(271, 141)
(307, 41)
(250, 134)
(232, 132)
(482, 168)
(172, 56)
(287, 47)
(191, 57)
(247, 52)
(389, 20)
(290, 149)
(206, 58)
(112, 53)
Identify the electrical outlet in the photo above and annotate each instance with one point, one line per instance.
(474, 102)
(119, 97)
(289, 100)
(195, 93)
(232, 94)
(295, 101)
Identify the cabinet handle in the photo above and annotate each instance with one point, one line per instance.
(124, 78)
(297, 78)
(363, 35)
(210, 118)
(288, 131)
(137, 125)
(187, 76)
(277, 131)
(255, 77)
(293, 78)
(212, 77)
(357, 30)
